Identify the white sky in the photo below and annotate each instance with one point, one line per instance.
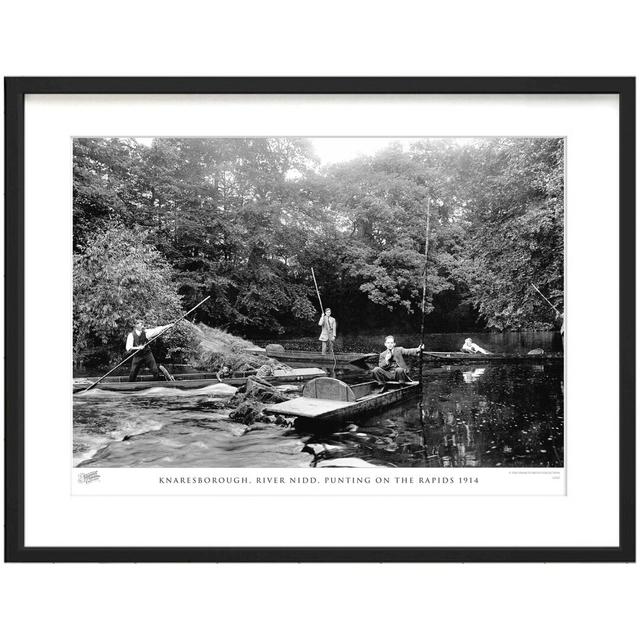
(330, 150)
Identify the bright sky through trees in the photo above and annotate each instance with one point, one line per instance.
(343, 149)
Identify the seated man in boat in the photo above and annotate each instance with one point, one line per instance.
(328, 333)
(137, 342)
(391, 365)
(471, 347)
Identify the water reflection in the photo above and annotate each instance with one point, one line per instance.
(471, 376)
(502, 415)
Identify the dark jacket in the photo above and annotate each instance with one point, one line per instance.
(139, 340)
(398, 352)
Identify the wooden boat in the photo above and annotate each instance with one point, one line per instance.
(327, 400)
(459, 356)
(193, 380)
(278, 352)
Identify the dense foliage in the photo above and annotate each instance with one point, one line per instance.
(120, 277)
(514, 201)
(159, 226)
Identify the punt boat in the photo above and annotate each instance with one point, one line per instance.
(194, 380)
(459, 356)
(278, 352)
(327, 400)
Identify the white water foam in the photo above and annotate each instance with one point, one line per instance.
(217, 390)
(96, 442)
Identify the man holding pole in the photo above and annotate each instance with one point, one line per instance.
(136, 351)
(137, 343)
(328, 324)
(328, 333)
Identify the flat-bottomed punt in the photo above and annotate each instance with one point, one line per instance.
(459, 356)
(194, 380)
(327, 400)
(278, 352)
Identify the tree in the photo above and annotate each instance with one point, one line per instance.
(105, 184)
(117, 277)
(513, 191)
(221, 212)
(380, 203)
(244, 219)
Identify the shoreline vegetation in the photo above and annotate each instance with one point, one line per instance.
(216, 348)
(209, 349)
(160, 225)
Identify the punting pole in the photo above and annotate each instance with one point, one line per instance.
(317, 290)
(424, 304)
(553, 306)
(148, 343)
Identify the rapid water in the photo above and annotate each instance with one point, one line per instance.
(489, 416)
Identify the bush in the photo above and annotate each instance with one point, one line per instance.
(119, 276)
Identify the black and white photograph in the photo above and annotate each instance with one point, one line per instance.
(326, 303)
(321, 320)
(312, 302)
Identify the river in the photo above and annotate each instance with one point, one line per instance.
(494, 415)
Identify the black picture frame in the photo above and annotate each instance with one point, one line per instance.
(15, 91)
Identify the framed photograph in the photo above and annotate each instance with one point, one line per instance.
(320, 319)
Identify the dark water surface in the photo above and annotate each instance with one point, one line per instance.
(509, 415)
(516, 342)
(490, 416)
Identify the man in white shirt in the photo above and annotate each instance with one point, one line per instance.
(328, 333)
(137, 342)
(471, 347)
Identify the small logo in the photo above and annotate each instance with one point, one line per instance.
(87, 478)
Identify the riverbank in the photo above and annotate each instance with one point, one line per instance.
(210, 349)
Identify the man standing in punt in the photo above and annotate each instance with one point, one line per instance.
(137, 341)
(328, 333)
(391, 365)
